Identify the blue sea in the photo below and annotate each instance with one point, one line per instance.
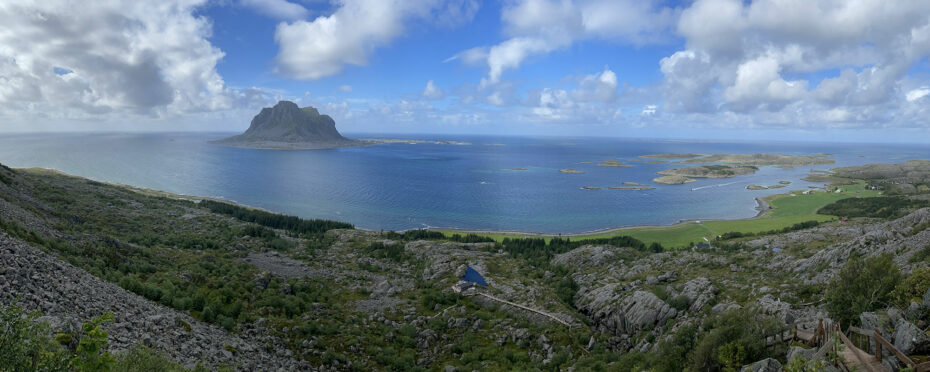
(403, 186)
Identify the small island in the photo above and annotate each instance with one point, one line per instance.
(570, 171)
(672, 180)
(672, 156)
(631, 188)
(289, 127)
(763, 187)
(590, 188)
(613, 163)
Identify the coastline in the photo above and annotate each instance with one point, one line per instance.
(762, 205)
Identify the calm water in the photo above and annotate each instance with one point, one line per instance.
(401, 186)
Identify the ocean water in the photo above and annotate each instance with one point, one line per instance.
(403, 186)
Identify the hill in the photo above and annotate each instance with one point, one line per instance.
(287, 126)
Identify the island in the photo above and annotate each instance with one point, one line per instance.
(590, 188)
(631, 188)
(781, 161)
(289, 127)
(613, 163)
(672, 156)
(763, 187)
(672, 180)
(570, 171)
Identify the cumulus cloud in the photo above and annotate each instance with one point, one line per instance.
(151, 58)
(591, 100)
(345, 88)
(536, 27)
(432, 91)
(277, 9)
(323, 46)
(738, 57)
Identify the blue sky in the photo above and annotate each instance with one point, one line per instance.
(769, 69)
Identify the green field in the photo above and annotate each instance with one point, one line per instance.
(786, 211)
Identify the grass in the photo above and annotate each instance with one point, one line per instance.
(786, 211)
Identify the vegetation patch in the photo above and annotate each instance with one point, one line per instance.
(877, 207)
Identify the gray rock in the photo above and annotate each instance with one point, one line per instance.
(630, 315)
(699, 293)
(724, 307)
(797, 351)
(910, 339)
(765, 365)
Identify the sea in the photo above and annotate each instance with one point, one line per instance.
(492, 183)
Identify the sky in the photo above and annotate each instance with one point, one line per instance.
(808, 70)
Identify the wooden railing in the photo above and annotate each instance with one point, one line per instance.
(881, 343)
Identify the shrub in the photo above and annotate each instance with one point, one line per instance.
(862, 285)
(913, 288)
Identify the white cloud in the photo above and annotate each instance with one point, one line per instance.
(738, 57)
(345, 88)
(322, 47)
(152, 58)
(536, 27)
(432, 91)
(758, 83)
(917, 94)
(277, 9)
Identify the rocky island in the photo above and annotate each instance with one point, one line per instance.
(781, 161)
(682, 175)
(289, 127)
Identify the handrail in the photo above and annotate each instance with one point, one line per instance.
(553, 317)
(852, 348)
(894, 350)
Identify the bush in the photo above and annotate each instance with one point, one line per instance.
(25, 345)
(913, 288)
(862, 285)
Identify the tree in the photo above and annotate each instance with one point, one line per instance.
(862, 285)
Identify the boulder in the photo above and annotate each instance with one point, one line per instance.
(699, 293)
(765, 365)
(797, 351)
(910, 339)
(777, 308)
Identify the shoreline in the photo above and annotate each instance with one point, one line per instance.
(762, 206)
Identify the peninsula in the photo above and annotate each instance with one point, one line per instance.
(289, 127)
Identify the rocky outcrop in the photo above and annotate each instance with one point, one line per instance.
(627, 316)
(699, 293)
(68, 296)
(587, 256)
(765, 365)
(910, 339)
(286, 126)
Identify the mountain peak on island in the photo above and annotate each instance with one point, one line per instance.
(288, 126)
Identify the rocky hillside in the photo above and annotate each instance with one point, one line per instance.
(287, 126)
(68, 296)
(226, 285)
